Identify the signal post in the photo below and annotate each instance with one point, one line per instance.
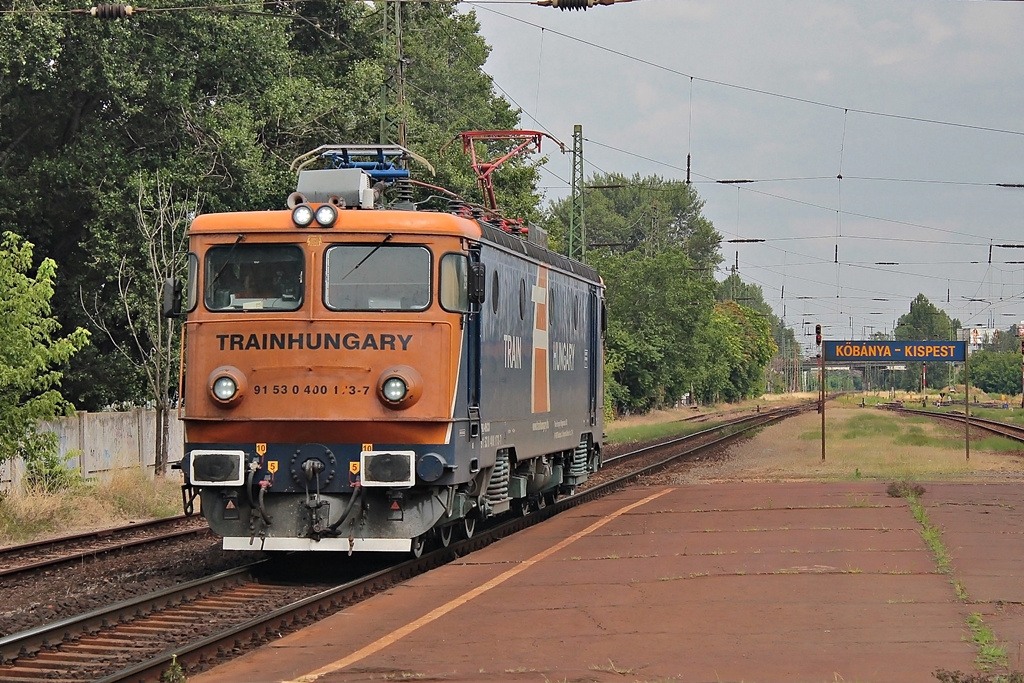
(821, 386)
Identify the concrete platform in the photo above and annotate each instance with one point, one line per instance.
(725, 582)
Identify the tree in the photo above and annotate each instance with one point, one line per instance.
(219, 103)
(30, 356)
(666, 337)
(996, 373)
(1003, 341)
(643, 213)
(154, 340)
(655, 312)
(784, 364)
(741, 347)
(925, 322)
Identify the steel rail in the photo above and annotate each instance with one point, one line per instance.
(757, 418)
(9, 567)
(98, 533)
(210, 649)
(1005, 429)
(32, 640)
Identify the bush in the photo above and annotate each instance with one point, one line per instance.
(45, 470)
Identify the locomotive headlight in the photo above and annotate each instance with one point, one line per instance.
(326, 215)
(394, 389)
(227, 386)
(399, 387)
(302, 215)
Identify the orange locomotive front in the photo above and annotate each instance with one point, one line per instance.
(338, 364)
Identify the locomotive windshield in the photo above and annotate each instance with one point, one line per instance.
(254, 277)
(377, 277)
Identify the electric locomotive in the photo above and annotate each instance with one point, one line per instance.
(362, 378)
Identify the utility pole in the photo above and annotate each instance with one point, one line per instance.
(577, 230)
(392, 131)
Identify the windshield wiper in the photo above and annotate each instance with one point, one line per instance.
(372, 252)
(220, 272)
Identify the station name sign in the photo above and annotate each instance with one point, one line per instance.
(886, 351)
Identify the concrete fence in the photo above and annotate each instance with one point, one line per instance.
(102, 443)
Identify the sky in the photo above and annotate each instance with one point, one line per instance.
(917, 104)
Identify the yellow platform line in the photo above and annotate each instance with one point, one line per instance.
(433, 615)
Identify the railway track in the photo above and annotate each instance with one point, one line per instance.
(138, 640)
(1010, 431)
(41, 554)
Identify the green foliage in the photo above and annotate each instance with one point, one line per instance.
(996, 373)
(653, 315)
(46, 471)
(924, 322)
(133, 494)
(29, 355)
(667, 337)
(217, 104)
(867, 424)
(653, 432)
(645, 214)
(998, 444)
(946, 676)
(990, 652)
(174, 673)
(783, 373)
(916, 436)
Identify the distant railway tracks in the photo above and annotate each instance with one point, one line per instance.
(1012, 432)
(201, 623)
(41, 554)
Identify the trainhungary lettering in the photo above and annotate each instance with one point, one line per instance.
(312, 341)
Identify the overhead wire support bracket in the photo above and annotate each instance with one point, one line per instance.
(523, 141)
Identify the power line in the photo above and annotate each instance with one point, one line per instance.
(744, 88)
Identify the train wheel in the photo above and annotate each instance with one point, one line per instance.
(468, 526)
(551, 496)
(542, 502)
(418, 544)
(522, 506)
(445, 534)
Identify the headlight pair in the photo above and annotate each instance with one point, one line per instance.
(324, 215)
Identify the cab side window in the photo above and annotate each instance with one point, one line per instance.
(455, 283)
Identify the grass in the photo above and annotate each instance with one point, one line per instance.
(864, 444)
(998, 444)
(651, 432)
(127, 495)
(611, 668)
(990, 652)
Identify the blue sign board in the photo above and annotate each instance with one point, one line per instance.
(888, 351)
